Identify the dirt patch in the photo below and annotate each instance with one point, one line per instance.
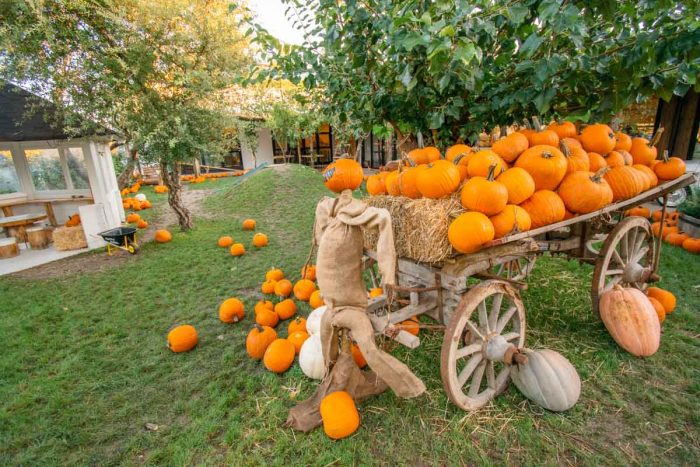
(97, 261)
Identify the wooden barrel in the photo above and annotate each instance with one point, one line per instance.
(38, 238)
(19, 233)
(8, 247)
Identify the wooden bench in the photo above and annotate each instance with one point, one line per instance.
(7, 206)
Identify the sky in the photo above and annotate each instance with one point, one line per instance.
(270, 15)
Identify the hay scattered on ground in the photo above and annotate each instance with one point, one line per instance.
(420, 226)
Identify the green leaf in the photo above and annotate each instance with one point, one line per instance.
(447, 31)
(517, 13)
(530, 45)
(543, 100)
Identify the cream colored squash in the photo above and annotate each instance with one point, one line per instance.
(548, 379)
(311, 357)
(313, 322)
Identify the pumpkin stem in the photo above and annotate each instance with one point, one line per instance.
(665, 155)
(547, 155)
(526, 124)
(459, 158)
(564, 148)
(657, 137)
(598, 176)
(492, 172)
(536, 123)
(259, 328)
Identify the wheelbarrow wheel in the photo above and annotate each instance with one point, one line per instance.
(133, 248)
(489, 320)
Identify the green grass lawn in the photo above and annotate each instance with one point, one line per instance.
(84, 364)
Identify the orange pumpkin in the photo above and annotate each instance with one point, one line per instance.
(231, 310)
(425, 155)
(392, 183)
(615, 159)
(264, 305)
(639, 211)
(259, 338)
(481, 162)
(519, 184)
(456, 151)
(642, 152)
(469, 231)
(303, 289)
(546, 164)
(576, 158)
(376, 292)
(279, 355)
(649, 173)
(625, 182)
(316, 299)
(543, 137)
(631, 320)
(676, 238)
(132, 218)
(182, 338)
(584, 192)
(339, 415)
(666, 298)
(692, 245)
(669, 168)
(266, 317)
(297, 339)
(309, 272)
(484, 195)
(544, 207)
(283, 288)
(357, 356)
(249, 224)
(225, 242)
(596, 161)
(659, 308)
(286, 309)
(142, 224)
(439, 180)
(624, 141)
(410, 325)
(564, 129)
(296, 325)
(375, 185)
(260, 240)
(513, 219)
(510, 147)
(237, 249)
(656, 215)
(163, 236)
(268, 287)
(343, 174)
(274, 274)
(408, 181)
(598, 138)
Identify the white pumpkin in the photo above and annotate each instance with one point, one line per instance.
(548, 379)
(313, 322)
(311, 357)
(140, 197)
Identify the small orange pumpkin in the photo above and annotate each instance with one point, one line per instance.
(624, 141)
(264, 304)
(676, 238)
(268, 287)
(357, 356)
(286, 309)
(231, 310)
(596, 161)
(692, 245)
(408, 181)
(225, 242)
(182, 338)
(296, 325)
(545, 207)
(309, 272)
(260, 240)
(249, 224)
(456, 151)
(669, 167)
(375, 185)
(469, 231)
(480, 164)
(376, 292)
(642, 152)
(510, 147)
(439, 180)
(666, 298)
(564, 129)
(425, 155)
(519, 184)
(267, 317)
(303, 289)
(484, 195)
(584, 192)
(513, 219)
(339, 415)
(132, 218)
(392, 183)
(638, 211)
(297, 339)
(274, 275)
(163, 236)
(659, 308)
(546, 164)
(283, 288)
(316, 299)
(279, 356)
(142, 224)
(237, 249)
(598, 138)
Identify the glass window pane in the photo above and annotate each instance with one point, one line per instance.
(46, 170)
(77, 168)
(9, 183)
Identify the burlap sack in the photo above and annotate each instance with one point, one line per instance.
(338, 232)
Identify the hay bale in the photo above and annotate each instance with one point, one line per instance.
(69, 238)
(420, 226)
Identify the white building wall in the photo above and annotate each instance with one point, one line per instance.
(264, 151)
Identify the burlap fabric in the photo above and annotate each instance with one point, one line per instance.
(338, 233)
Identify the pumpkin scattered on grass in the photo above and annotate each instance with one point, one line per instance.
(249, 224)
(410, 325)
(163, 236)
(659, 308)
(631, 320)
(339, 414)
(286, 309)
(666, 298)
(303, 289)
(132, 218)
(309, 272)
(279, 356)
(142, 224)
(231, 310)
(259, 338)
(692, 245)
(676, 238)
(260, 240)
(237, 249)
(268, 287)
(264, 304)
(182, 338)
(274, 275)
(266, 317)
(160, 189)
(283, 288)
(225, 241)
(639, 211)
(298, 338)
(297, 324)
(316, 299)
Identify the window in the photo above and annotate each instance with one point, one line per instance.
(46, 169)
(9, 183)
(58, 169)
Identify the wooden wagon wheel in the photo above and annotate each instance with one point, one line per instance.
(626, 258)
(488, 323)
(516, 269)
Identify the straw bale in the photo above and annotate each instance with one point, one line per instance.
(69, 238)
(420, 226)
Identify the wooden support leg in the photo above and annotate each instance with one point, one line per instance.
(50, 214)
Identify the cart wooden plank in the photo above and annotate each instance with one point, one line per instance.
(659, 190)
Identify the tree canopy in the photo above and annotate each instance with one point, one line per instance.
(460, 66)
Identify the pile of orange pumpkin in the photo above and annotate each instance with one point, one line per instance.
(209, 176)
(529, 179)
(260, 240)
(670, 233)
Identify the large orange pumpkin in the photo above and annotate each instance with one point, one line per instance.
(182, 338)
(596, 161)
(624, 141)
(546, 164)
(692, 245)
(456, 151)
(343, 174)
(481, 162)
(392, 183)
(510, 147)
(625, 182)
(513, 219)
(584, 192)
(469, 231)
(519, 184)
(631, 320)
(339, 415)
(598, 138)
(303, 289)
(408, 181)
(642, 152)
(286, 309)
(259, 338)
(544, 207)
(440, 179)
(425, 155)
(231, 310)
(279, 356)
(576, 158)
(484, 195)
(375, 185)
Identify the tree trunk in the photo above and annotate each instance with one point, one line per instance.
(124, 178)
(299, 151)
(171, 178)
(352, 148)
(404, 143)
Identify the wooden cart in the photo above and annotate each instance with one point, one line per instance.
(476, 297)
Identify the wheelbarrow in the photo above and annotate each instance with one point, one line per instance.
(123, 238)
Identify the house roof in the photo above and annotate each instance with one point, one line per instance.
(21, 120)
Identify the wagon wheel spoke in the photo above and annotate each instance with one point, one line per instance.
(483, 317)
(638, 244)
(500, 269)
(503, 320)
(616, 256)
(467, 350)
(474, 330)
(469, 369)
(640, 253)
(511, 335)
(475, 384)
(491, 375)
(495, 310)
(614, 272)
